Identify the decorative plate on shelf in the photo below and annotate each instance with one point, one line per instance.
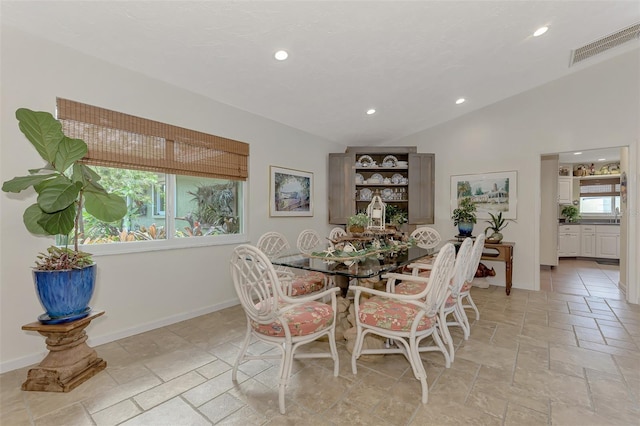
(376, 178)
(387, 194)
(390, 161)
(397, 179)
(366, 161)
(366, 194)
(359, 178)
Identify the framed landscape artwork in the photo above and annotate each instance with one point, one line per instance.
(490, 192)
(291, 192)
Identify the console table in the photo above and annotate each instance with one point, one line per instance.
(70, 361)
(500, 252)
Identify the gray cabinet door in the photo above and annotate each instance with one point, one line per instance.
(342, 188)
(421, 188)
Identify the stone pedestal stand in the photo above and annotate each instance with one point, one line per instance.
(70, 361)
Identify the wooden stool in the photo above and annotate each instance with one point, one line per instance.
(70, 361)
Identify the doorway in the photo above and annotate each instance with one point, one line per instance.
(577, 173)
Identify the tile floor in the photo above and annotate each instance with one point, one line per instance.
(567, 355)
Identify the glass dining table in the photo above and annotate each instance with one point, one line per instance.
(364, 267)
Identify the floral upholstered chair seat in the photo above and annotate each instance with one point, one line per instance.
(392, 314)
(303, 319)
(466, 286)
(306, 284)
(410, 287)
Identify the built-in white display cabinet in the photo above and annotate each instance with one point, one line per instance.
(399, 175)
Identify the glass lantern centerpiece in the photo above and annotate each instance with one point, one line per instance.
(376, 213)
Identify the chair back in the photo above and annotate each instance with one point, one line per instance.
(476, 254)
(337, 232)
(308, 241)
(272, 244)
(438, 288)
(256, 283)
(461, 269)
(426, 237)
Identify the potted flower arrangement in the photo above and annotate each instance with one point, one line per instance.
(465, 216)
(496, 224)
(396, 216)
(64, 276)
(357, 223)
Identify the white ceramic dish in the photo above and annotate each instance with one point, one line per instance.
(390, 161)
(387, 194)
(397, 179)
(365, 194)
(366, 161)
(376, 178)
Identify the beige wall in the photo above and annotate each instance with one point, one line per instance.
(593, 108)
(138, 291)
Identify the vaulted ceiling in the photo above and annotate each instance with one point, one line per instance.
(409, 60)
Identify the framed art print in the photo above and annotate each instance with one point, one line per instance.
(490, 192)
(291, 192)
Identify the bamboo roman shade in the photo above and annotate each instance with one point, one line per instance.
(125, 141)
(607, 186)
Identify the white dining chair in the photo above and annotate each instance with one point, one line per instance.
(451, 307)
(336, 233)
(275, 318)
(309, 241)
(405, 320)
(465, 291)
(274, 244)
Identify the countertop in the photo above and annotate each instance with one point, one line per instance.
(589, 222)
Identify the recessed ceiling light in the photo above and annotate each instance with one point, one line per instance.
(460, 101)
(540, 31)
(601, 159)
(371, 111)
(281, 55)
(577, 153)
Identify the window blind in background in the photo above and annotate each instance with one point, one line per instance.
(120, 140)
(600, 187)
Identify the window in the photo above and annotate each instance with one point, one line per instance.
(600, 196)
(159, 199)
(178, 183)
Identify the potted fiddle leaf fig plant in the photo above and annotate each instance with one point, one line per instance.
(64, 276)
(465, 216)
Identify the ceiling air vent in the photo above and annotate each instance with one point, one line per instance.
(613, 40)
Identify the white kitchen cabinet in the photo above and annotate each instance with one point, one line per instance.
(608, 241)
(588, 240)
(565, 190)
(568, 240)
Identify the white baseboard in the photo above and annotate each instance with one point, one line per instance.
(35, 358)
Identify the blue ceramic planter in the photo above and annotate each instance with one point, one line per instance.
(465, 229)
(65, 295)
